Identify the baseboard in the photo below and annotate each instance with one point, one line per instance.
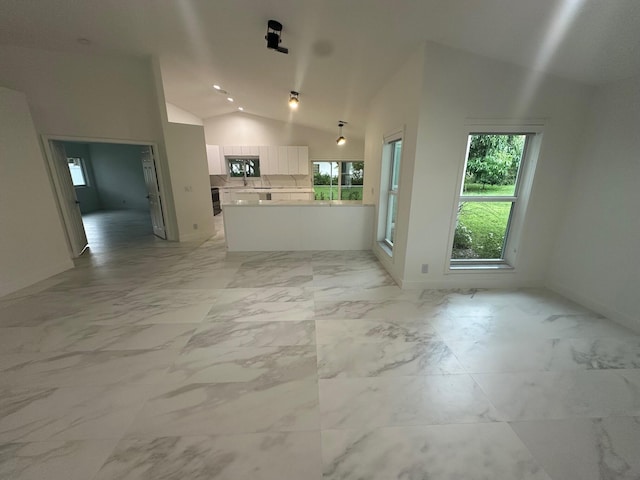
(598, 307)
(33, 277)
(194, 237)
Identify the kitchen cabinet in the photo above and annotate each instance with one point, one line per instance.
(215, 161)
(301, 196)
(274, 160)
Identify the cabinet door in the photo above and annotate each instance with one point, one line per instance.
(292, 160)
(280, 196)
(300, 196)
(265, 161)
(303, 160)
(250, 151)
(283, 163)
(215, 161)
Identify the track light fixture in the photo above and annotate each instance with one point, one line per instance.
(341, 140)
(274, 29)
(294, 100)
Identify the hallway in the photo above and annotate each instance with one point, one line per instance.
(163, 361)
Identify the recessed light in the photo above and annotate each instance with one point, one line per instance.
(241, 109)
(230, 99)
(217, 87)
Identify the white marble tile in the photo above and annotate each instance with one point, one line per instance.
(519, 327)
(272, 275)
(585, 449)
(75, 413)
(494, 356)
(248, 296)
(435, 452)
(262, 311)
(390, 358)
(388, 401)
(356, 292)
(557, 395)
(253, 334)
(256, 456)
(56, 460)
(373, 331)
(116, 337)
(243, 364)
(143, 367)
(249, 407)
(380, 309)
(140, 314)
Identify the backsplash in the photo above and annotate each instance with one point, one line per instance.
(291, 181)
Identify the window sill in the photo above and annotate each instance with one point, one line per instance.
(386, 249)
(481, 267)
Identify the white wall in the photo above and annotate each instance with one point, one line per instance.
(395, 107)
(119, 177)
(251, 130)
(176, 114)
(32, 243)
(596, 259)
(190, 180)
(458, 88)
(80, 95)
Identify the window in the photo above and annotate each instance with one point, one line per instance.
(490, 198)
(243, 167)
(78, 175)
(389, 187)
(338, 180)
(392, 193)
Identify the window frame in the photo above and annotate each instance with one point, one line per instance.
(519, 200)
(79, 161)
(243, 159)
(339, 184)
(387, 192)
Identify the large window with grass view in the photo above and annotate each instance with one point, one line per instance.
(489, 197)
(338, 180)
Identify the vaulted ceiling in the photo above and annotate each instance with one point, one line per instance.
(341, 52)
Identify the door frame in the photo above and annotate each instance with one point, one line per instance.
(163, 179)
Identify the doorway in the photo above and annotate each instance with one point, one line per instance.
(109, 193)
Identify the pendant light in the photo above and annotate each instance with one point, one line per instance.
(341, 140)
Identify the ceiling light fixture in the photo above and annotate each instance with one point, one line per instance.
(341, 140)
(241, 109)
(294, 100)
(274, 29)
(230, 99)
(217, 87)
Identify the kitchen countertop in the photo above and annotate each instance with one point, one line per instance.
(294, 203)
(241, 189)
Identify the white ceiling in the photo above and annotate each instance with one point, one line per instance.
(341, 51)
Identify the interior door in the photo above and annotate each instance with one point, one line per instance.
(153, 192)
(68, 201)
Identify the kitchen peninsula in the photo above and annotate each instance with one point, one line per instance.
(297, 225)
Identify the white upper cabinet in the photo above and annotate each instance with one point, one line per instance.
(215, 161)
(303, 160)
(292, 160)
(283, 163)
(282, 160)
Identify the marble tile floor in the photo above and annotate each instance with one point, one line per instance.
(153, 360)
